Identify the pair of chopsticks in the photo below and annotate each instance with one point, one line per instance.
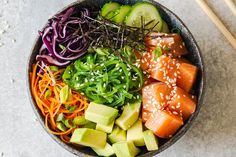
(217, 21)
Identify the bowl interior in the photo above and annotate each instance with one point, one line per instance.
(194, 56)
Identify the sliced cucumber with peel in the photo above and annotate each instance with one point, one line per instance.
(146, 10)
(165, 28)
(108, 9)
(121, 13)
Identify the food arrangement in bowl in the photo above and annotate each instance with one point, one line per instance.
(114, 79)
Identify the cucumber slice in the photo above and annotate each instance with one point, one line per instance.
(165, 28)
(146, 10)
(121, 13)
(108, 9)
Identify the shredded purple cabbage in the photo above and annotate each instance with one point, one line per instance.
(63, 39)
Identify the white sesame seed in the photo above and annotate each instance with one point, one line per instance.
(7, 26)
(13, 40)
(175, 113)
(2, 31)
(167, 97)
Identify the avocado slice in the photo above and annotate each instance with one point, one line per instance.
(117, 135)
(100, 114)
(90, 125)
(106, 128)
(129, 115)
(125, 149)
(107, 151)
(135, 133)
(150, 140)
(89, 137)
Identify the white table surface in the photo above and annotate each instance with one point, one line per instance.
(212, 135)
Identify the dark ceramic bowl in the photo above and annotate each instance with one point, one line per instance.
(194, 56)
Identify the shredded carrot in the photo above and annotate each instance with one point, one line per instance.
(50, 104)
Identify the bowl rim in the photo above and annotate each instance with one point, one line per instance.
(167, 144)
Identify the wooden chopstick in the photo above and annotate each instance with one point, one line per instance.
(231, 5)
(217, 22)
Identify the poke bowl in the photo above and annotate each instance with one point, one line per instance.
(105, 76)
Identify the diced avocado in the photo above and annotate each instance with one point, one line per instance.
(125, 149)
(107, 151)
(106, 128)
(129, 115)
(90, 125)
(100, 114)
(135, 133)
(89, 137)
(150, 140)
(117, 135)
(80, 120)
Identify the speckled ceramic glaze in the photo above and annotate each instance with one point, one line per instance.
(194, 56)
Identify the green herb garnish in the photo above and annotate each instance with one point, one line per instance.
(47, 94)
(157, 52)
(62, 47)
(54, 68)
(64, 94)
(167, 49)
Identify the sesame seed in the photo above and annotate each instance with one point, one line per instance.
(7, 26)
(175, 113)
(13, 40)
(167, 97)
(2, 31)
